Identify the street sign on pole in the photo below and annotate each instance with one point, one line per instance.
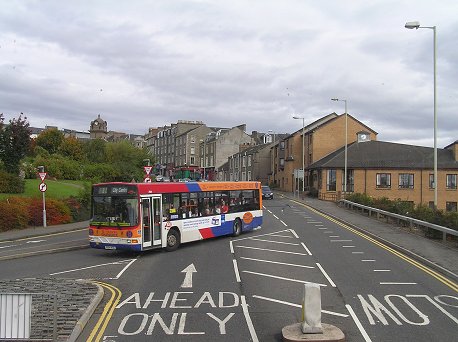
(147, 180)
(43, 187)
(147, 169)
(42, 175)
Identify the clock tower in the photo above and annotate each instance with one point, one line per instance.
(98, 129)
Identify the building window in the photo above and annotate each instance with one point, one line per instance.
(406, 181)
(249, 176)
(451, 182)
(431, 205)
(201, 161)
(331, 180)
(450, 206)
(249, 160)
(243, 161)
(350, 180)
(192, 160)
(193, 150)
(431, 181)
(193, 138)
(282, 145)
(383, 180)
(282, 162)
(243, 175)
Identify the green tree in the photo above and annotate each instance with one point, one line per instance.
(71, 148)
(94, 150)
(14, 142)
(50, 139)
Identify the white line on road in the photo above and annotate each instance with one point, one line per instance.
(330, 232)
(8, 246)
(280, 242)
(357, 252)
(236, 270)
(283, 236)
(269, 211)
(368, 260)
(254, 337)
(358, 323)
(231, 246)
(334, 236)
(294, 233)
(341, 240)
(284, 223)
(382, 270)
(276, 262)
(124, 269)
(275, 216)
(323, 228)
(326, 275)
(88, 267)
(283, 278)
(297, 305)
(392, 283)
(314, 222)
(305, 247)
(271, 250)
(250, 237)
(348, 246)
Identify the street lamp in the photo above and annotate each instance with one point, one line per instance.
(273, 159)
(416, 25)
(346, 143)
(303, 142)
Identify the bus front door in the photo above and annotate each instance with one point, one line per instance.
(151, 224)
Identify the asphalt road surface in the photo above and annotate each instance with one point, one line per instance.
(248, 288)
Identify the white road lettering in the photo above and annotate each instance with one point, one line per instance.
(169, 330)
(206, 298)
(376, 309)
(175, 299)
(126, 319)
(150, 299)
(182, 326)
(405, 300)
(222, 323)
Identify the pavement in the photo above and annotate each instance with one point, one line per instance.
(81, 298)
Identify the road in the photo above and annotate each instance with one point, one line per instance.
(248, 288)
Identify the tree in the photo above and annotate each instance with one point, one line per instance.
(95, 150)
(50, 139)
(71, 148)
(14, 142)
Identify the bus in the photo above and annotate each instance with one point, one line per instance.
(143, 216)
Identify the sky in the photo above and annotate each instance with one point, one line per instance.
(141, 64)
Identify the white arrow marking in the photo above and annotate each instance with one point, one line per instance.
(35, 241)
(187, 282)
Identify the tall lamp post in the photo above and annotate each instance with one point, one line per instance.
(346, 143)
(303, 143)
(273, 159)
(416, 25)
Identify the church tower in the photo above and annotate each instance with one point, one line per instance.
(98, 129)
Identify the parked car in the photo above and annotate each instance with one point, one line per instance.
(266, 192)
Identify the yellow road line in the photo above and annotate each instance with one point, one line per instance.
(102, 323)
(441, 278)
(46, 235)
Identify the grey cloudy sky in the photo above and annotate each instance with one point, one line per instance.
(142, 64)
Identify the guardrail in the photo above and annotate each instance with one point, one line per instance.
(410, 220)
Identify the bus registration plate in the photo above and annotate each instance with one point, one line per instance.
(110, 247)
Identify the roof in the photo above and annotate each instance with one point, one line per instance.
(383, 155)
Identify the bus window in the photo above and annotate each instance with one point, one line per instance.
(248, 200)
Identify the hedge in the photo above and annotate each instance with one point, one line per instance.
(11, 184)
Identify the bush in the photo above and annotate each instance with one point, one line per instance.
(78, 211)
(11, 184)
(313, 193)
(57, 212)
(99, 172)
(13, 214)
(360, 198)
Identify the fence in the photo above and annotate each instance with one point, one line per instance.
(31, 316)
(412, 222)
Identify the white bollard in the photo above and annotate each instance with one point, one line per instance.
(311, 310)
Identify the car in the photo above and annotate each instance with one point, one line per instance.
(266, 192)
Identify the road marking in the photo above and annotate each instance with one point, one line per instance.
(276, 262)
(334, 236)
(283, 236)
(284, 223)
(357, 252)
(88, 267)
(313, 222)
(35, 241)
(231, 246)
(8, 246)
(330, 232)
(45, 235)
(382, 270)
(393, 283)
(283, 278)
(124, 269)
(280, 242)
(250, 237)
(254, 337)
(297, 305)
(368, 260)
(236, 270)
(275, 216)
(294, 233)
(269, 211)
(451, 284)
(358, 323)
(341, 240)
(323, 228)
(102, 323)
(187, 281)
(271, 250)
(305, 247)
(14, 256)
(326, 275)
(348, 246)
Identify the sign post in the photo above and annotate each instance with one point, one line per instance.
(43, 187)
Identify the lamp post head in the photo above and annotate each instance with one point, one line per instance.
(334, 99)
(297, 117)
(412, 25)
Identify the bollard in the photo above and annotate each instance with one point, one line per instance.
(311, 310)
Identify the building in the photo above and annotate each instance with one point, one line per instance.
(321, 138)
(217, 147)
(385, 169)
(98, 128)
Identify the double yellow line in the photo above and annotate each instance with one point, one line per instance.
(438, 276)
(102, 323)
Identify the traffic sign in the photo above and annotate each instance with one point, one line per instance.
(43, 187)
(42, 175)
(148, 169)
(147, 180)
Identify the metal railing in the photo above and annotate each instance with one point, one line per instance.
(412, 222)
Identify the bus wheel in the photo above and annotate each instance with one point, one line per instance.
(237, 227)
(173, 240)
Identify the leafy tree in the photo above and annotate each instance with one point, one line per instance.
(94, 150)
(71, 148)
(50, 139)
(14, 142)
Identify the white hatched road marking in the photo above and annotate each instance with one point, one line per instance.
(305, 247)
(280, 242)
(89, 267)
(271, 250)
(282, 278)
(326, 275)
(277, 262)
(358, 324)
